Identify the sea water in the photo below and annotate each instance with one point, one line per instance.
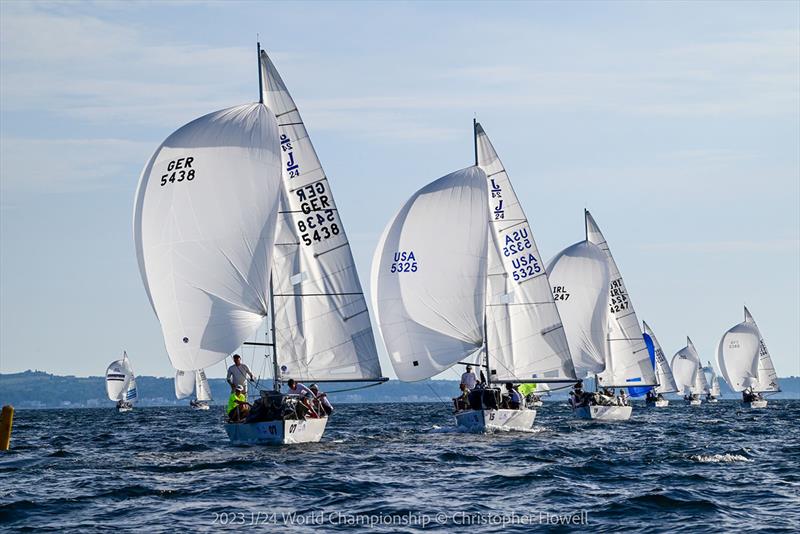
(401, 467)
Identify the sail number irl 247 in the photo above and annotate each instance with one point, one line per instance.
(178, 170)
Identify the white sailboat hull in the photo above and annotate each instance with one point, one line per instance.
(122, 409)
(660, 403)
(695, 402)
(757, 404)
(200, 407)
(713, 401)
(277, 432)
(604, 413)
(493, 420)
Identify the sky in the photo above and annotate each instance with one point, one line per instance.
(676, 124)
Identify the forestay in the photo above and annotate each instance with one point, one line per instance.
(579, 275)
(629, 362)
(685, 367)
(666, 382)
(204, 228)
(184, 384)
(525, 337)
(322, 325)
(429, 276)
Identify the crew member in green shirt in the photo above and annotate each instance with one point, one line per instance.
(238, 407)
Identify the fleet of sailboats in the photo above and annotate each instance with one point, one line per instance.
(236, 228)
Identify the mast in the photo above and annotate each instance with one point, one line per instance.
(260, 78)
(276, 380)
(475, 138)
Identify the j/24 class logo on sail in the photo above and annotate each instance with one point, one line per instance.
(404, 262)
(178, 170)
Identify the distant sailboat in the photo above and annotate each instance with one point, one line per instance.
(604, 335)
(745, 362)
(234, 223)
(457, 275)
(688, 372)
(666, 381)
(713, 381)
(187, 382)
(121, 384)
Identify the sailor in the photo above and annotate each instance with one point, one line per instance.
(321, 400)
(469, 379)
(623, 397)
(514, 397)
(238, 374)
(651, 395)
(238, 408)
(462, 401)
(306, 396)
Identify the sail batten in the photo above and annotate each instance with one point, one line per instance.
(524, 330)
(321, 319)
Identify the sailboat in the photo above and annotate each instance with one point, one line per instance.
(187, 382)
(234, 224)
(666, 382)
(745, 362)
(688, 372)
(711, 378)
(605, 339)
(121, 384)
(456, 276)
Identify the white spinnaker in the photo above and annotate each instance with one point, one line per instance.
(579, 276)
(202, 389)
(685, 367)
(117, 379)
(184, 384)
(767, 375)
(322, 325)
(738, 355)
(666, 382)
(525, 336)
(204, 241)
(629, 362)
(714, 382)
(429, 276)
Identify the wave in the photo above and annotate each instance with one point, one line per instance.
(719, 458)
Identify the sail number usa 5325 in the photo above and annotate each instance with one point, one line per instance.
(178, 170)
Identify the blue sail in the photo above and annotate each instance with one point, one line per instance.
(651, 350)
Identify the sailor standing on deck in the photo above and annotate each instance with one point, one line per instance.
(469, 379)
(238, 374)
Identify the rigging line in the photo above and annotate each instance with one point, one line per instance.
(314, 294)
(285, 113)
(437, 395)
(356, 388)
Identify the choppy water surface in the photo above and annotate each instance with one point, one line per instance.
(712, 468)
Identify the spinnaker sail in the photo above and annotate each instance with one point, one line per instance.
(744, 360)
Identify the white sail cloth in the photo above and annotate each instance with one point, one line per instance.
(666, 382)
(628, 361)
(322, 324)
(579, 275)
(202, 389)
(121, 381)
(184, 384)
(685, 368)
(525, 337)
(429, 276)
(744, 360)
(204, 227)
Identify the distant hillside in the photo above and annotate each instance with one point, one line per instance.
(37, 389)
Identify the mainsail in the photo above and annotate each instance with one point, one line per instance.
(580, 277)
(204, 227)
(525, 336)
(628, 361)
(712, 379)
(744, 360)
(202, 389)
(321, 322)
(685, 368)
(666, 382)
(429, 276)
